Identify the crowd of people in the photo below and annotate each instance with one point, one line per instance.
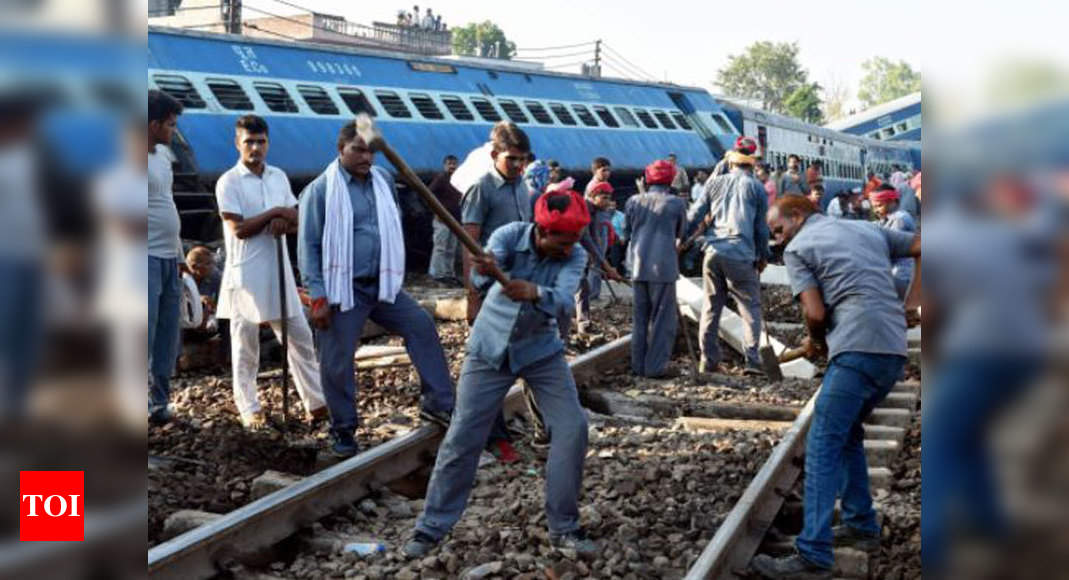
(547, 249)
(427, 21)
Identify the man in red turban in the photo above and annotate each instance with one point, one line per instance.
(514, 336)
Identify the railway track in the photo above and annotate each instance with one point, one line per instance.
(249, 531)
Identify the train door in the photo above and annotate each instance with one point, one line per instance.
(762, 140)
(700, 127)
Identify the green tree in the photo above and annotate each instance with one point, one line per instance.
(804, 103)
(767, 71)
(483, 39)
(886, 81)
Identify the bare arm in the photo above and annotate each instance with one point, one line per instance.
(473, 230)
(815, 316)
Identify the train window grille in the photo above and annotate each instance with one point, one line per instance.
(562, 113)
(681, 120)
(721, 123)
(584, 115)
(425, 105)
(181, 89)
(902, 127)
(514, 112)
(317, 99)
(539, 112)
(457, 108)
(665, 120)
(486, 110)
(356, 101)
(646, 119)
(606, 117)
(393, 104)
(229, 94)
(626, 117)
(275, 97)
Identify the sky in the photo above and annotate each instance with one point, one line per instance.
(953, 43)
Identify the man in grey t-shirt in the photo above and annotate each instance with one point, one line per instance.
(165, 255)
(841, 271)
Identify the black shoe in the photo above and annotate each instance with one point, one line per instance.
(419, 546)
(576, 540)
(440, 418)
(845, 536)
(159, 418)
(344, 446)
(792, 567)
(753, 371)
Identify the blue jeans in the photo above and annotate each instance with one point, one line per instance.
(338, 343)
(480, 393)
(854, 383)
(959, 489)
(21, 285)
(655, 325)
(164, 297)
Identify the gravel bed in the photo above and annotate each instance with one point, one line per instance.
(207, 461)
(899, 557)
(694, 479)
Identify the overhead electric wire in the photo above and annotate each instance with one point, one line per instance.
(624, 59)
(255, 27)
(570, 54)
(554, 47)
(628, 70)
(568, 65)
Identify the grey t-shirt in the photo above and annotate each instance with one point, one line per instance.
(850, 263)
(655, 220)
(493, 202)
(738, 204)
(164, 225)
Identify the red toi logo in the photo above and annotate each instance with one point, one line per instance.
(51, 506)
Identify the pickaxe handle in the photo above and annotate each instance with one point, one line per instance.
(791, 354)
(377, 143)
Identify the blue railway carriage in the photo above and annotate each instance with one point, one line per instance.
(897, 120)
(779, 136)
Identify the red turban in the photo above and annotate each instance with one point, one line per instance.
(572, 220)
(883, 196)
(600, 187)
(746, 145)
(660, 172)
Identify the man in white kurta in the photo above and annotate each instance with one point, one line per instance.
(257, 204)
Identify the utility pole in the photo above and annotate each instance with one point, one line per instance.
(231, 15)
(597, 54)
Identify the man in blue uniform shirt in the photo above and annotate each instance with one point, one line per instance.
(841, 272)
(514, 336)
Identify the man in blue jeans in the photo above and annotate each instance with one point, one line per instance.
(516, 335)
(841, 271)
(165, 254)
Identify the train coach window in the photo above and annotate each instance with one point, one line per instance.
(646, 119)
(425, 105)
(229, 94)
(562, 113)
(486, 110)
(721, 123)
(681, 120)
(356, 101)
(393, 104)
(626, 116)
(180, 88)
(513, 110)
(584, 115)
(317, 99)
(606, 117)
(901, 127)
(538, 112)
(666, 122)
(457, 108)
(275, 97)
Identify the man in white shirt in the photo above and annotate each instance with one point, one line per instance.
(164, 254)
(258, 206)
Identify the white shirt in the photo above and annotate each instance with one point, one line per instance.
(164, 227)
(249, 288)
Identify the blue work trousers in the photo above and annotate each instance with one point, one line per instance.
(654, 328)
(835, 464)
(480, 393)
(164, 298)
(337, 344)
